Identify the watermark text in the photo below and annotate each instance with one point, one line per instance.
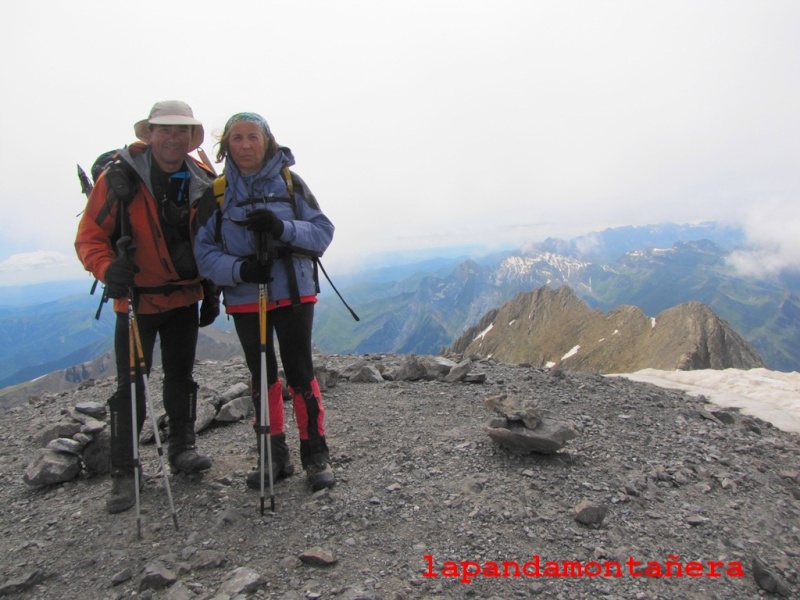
(466, 571)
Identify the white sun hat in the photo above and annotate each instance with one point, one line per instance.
(171, 112)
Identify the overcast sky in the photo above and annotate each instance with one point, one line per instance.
(422, 124)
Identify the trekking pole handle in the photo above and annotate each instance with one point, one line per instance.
(124, 245)
(264, 246)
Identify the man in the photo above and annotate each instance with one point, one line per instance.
(134, 236)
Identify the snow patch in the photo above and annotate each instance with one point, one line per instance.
(773, 396)
(572, 352)
(483, 333)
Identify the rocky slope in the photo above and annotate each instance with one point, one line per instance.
(425, 500)
(548, 327)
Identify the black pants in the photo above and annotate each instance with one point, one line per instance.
(177, 330)
(292, 325)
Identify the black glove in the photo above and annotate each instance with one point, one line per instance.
(262, 220)
(253, 271)
(119, 277)
(209, 307)
(122, 181)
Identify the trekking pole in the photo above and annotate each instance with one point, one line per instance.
(151, 410)
(264, 430)
(136, 352)
(122, 246)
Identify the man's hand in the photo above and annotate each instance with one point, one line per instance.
(119, 277)
(209, 307)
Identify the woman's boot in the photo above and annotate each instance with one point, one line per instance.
(314, 453)
(281, 459)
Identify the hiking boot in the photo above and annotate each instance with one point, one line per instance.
(282, 466)
(189, 461)
(123, 492)
(278, 472)
(317, 463)
(319, 473)
(180, 402)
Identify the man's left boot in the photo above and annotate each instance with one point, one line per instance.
(180, 402)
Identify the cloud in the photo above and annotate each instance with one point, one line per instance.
(442, 123)
(40, 265)
(774, 244)
(36, 260)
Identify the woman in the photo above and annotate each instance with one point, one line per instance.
(267, 208)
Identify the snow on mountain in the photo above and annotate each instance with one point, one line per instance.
(544, 267)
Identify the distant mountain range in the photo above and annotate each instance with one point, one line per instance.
(424, 307)
(49, 334)
(653, 268)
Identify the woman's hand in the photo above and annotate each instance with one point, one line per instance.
(262, 220)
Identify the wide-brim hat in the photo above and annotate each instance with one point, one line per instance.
(171, 112)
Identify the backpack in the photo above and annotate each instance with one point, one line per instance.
(286, 254)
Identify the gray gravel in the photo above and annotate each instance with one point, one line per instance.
(422, 490)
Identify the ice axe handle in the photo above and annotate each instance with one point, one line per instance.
(86, 185)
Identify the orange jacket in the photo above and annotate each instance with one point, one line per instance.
(95, 245)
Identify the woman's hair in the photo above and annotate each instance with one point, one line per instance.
(224, 146)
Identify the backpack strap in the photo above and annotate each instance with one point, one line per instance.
(287, 177)
(286, 174)
(219, 189)
(219, 195)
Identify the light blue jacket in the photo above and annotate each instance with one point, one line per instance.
(305, 229)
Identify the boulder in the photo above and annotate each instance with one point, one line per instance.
(49, 467)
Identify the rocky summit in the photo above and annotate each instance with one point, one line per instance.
(553, 327)
(448, 486)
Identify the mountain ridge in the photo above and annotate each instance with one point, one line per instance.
(554, 328)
